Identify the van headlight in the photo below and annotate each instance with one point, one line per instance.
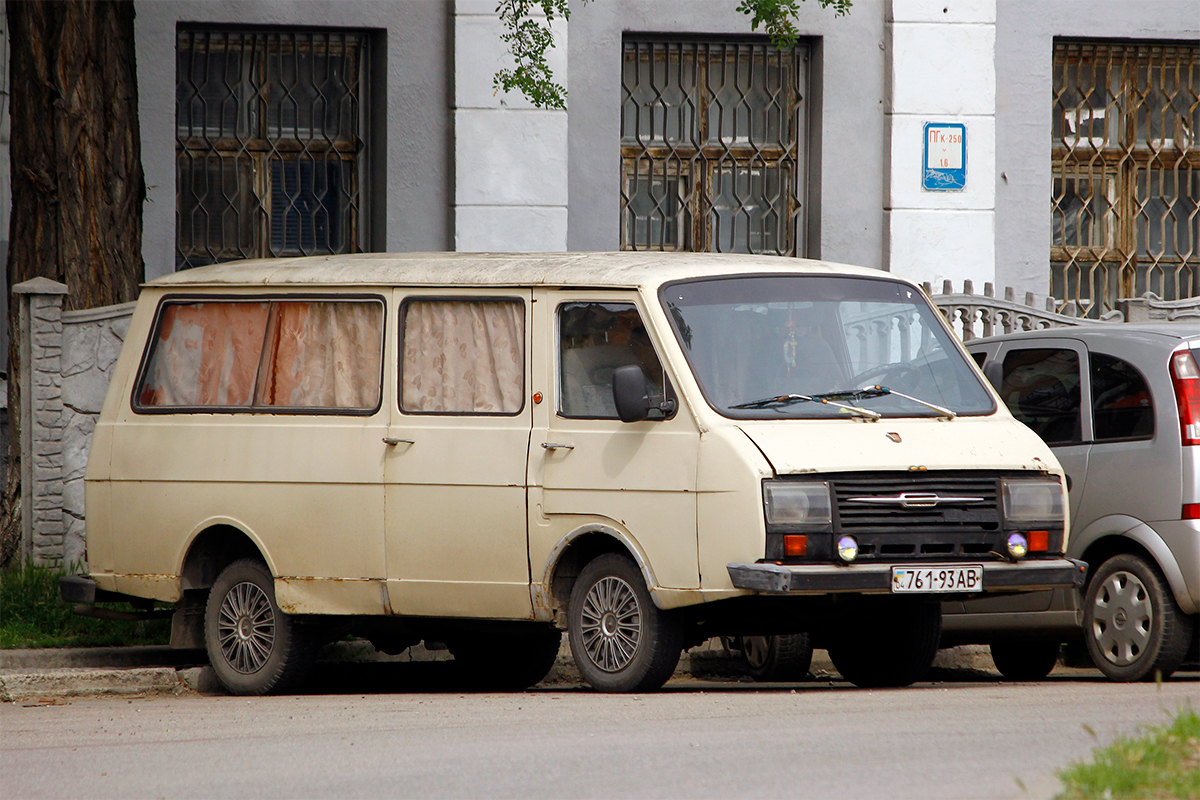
(1033, 500)
(797, 504)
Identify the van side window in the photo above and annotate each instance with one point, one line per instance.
(265, 355)
(595, 339)
(462, 356)
(1121, 405)
(1041, 389)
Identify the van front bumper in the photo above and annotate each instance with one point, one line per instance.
(801, 579)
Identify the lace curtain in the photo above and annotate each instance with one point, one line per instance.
(278, 354)
(463, 357)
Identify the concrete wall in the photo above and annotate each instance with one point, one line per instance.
(942, 71)
(1025, 32)
(410, 153)
(846, 145)
(510, 189)
(66, 360)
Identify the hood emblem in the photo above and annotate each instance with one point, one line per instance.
(895, 437)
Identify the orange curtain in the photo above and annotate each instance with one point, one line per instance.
(322, 355)
(206, 355)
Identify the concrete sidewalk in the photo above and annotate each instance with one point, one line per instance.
(48, 674)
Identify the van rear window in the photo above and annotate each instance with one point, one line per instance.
(264, 355)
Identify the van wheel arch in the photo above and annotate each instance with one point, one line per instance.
(580, 549)
(213, 549)
(210, 552)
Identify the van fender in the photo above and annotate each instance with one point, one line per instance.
(1134, 529)
(543, 598)
(227, 522)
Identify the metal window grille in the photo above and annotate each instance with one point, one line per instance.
(1125, 196)
(270, 151)
(711, 146)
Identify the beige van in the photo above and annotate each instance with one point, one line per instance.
(481, 450)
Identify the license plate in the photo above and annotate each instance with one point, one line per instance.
(937, 578)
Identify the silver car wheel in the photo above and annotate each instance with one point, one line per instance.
(1123, 618)
(611, 624)
(246, 627)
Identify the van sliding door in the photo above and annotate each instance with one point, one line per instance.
(455, 455)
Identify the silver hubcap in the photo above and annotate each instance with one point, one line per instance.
(1122, 619)
(755, 648)
(612, 624)
(246, 627)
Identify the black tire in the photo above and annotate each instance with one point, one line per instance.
(777, 659)
(1133, 628)
(1025, 661)
(890, 643)
(507, 662)
(620, 640)
(253, 646)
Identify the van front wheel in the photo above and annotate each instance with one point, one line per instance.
(620, 640)
(253, 647)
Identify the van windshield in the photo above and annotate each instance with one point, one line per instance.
(776, 346)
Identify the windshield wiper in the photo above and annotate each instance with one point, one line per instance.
(880, 391)
(791, 399)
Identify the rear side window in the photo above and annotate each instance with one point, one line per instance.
(265, 356)
(1041, 388)
(1121, 404)
(462, 356)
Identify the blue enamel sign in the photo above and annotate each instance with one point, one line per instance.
(945, 157)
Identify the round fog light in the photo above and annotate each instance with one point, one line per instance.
(847, 549)
(1017, 546)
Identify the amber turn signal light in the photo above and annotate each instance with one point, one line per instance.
(794, 545)
(1039, 541)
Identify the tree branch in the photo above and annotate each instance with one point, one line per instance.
(529, 40)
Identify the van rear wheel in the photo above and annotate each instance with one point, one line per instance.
(620, 640)
(1024, 661)
(888, 643)
(783, 658)
(253, 647)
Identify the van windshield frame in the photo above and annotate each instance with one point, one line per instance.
(767, 346)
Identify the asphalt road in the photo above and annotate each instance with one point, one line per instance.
(964, 738)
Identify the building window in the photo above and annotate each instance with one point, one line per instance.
(270, 148)
(712, 154)
(1125, 194)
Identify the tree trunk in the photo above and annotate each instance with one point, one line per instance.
(77, 184)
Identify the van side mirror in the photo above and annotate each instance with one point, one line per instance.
(629, 393)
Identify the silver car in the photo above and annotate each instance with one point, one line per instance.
(1120, 406)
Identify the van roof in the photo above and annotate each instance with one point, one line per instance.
(642, 269)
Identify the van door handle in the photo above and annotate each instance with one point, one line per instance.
(556, 446)
(390, 441)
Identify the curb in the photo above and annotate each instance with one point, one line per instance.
(32, 675)
(82, 682)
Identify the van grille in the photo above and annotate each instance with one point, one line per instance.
(892, 516)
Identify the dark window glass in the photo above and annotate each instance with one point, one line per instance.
(1121, 404)
(1041, 389)
(712, 146)
(270, 145)
(595, 339)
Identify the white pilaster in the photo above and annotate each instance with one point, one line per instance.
(510, 189)
(942, 71)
